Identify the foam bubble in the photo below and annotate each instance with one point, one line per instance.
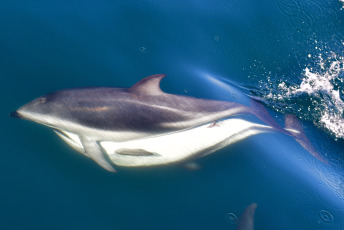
(143, 49)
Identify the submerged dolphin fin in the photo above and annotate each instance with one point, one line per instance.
(246, 221)
(292, 124)
(292, 127)
(261, 112)
(191, 165)
(93, 151)
(148, 86)
(72, 140)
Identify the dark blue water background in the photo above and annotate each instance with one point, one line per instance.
(52, 45)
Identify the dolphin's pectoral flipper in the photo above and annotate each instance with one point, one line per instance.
(72, 140)
(191, 165)
(94, 151)
(292, 124)
(246, 221)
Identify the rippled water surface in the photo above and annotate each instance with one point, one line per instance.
(288, 54)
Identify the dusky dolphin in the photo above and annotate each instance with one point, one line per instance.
(144, 126)
(246, 220)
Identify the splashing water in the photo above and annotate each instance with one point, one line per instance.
(342, 1)
(319, 96)
(322, 86)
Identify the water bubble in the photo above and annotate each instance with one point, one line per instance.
(231, 6)
(143, 49)
(232, 218)
(303, 198)
(314, 221)
(217, 38)
(325, 216)
(300, 22)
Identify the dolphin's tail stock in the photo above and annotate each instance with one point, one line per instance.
(292, 128)
(260, 111)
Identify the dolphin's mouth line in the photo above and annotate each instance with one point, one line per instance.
(15, 114)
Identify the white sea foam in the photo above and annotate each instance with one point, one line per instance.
(323, 85)
(318, 97)
(342, 1)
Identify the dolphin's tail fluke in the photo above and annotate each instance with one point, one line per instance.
(293, 126)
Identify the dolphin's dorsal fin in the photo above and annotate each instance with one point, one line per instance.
(148, 86)
(246, 221)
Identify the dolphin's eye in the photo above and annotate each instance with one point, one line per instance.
(42, 100)
(39, 101)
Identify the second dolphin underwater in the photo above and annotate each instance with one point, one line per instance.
(144, 126)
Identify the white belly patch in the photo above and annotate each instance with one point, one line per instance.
(180, 146)
(172, 147)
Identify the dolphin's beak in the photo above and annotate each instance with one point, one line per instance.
(15, 114)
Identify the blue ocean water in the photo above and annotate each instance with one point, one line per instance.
(286, 53)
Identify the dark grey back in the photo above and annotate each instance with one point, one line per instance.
(119, 109)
